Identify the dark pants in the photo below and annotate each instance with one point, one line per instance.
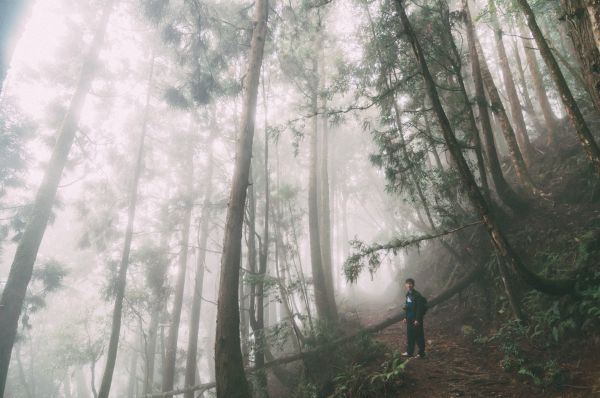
(415, 334)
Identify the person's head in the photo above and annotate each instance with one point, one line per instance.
(410, 284)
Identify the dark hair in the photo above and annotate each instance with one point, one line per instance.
(410, 280)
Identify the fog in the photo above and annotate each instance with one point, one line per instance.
(353, 183)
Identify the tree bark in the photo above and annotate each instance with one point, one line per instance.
(231, 381)
(583, 132)
(529, 108)
(173, 336)
(581, 31)
(324, 188)
(509, 134)
(192, 350)
(503, 189)
(113, 344)
(499, 241)
(324, 310)
(22, 267)
(511, 89)
(552, 126)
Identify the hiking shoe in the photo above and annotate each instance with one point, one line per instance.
(422, 356)
(406, 354)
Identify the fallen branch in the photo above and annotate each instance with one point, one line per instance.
(444, 296)
(356, 262)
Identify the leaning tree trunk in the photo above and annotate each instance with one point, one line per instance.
(582, 34)
(504, 191)
(575, 116)
(552, 126)
(231, 381)
(511, 89)
(173, 336)
(498, 239)
(192, 350)
(529, 108)
(509, 134)
(113, 345)
(29, 244)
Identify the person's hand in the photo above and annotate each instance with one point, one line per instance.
(404, 320)
(416, 323)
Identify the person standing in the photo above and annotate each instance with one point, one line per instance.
(415, 307)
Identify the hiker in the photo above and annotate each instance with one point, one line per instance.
(415, 307)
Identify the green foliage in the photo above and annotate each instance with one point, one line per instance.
(510, 339)
(359, 380)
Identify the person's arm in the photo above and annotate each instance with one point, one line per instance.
(419, 308)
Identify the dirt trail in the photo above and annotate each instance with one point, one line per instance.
(456, 367)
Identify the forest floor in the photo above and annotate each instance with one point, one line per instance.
(455, 366)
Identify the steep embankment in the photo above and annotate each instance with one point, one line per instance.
(457, 366)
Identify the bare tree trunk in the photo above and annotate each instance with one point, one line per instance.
(583, 132)
(132, 383)
(582, 35)
(173, 336)
(505, 192)
(323, 184)
(552, 126)
(507, 129)
(192, 350)
(510, 290)
(93, 377)
(324, 310)
(21, 269)
(82, 390)
(511, 89)
(529, 108)
(499, 241)
(113, 344)
(150, 349)
(231, 381)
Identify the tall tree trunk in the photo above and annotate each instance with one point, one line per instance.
(457, 66)
(192, 350)
(583, 132)
(82, 390)
(323, 187)
(529, 108)
(132, 382)
(113, 344)
(552, 126)
(499, 241)
(258, 323)
(507, 129)
(582, 35)
(150, 349)
(21, 269)
(504, 191)
(231, 381)
(511, 89)
(324, 310)
(173, 336)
